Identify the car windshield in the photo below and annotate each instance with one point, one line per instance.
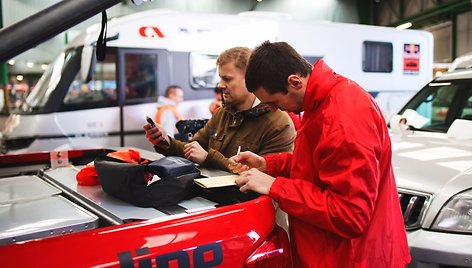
(438, 104)
(48, 82)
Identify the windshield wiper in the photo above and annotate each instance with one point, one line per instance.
(412, 128)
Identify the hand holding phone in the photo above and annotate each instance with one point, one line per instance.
(151, 122)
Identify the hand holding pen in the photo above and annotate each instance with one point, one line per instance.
(250, 168)
(246, 160)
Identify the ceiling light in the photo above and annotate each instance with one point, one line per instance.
(404, 26)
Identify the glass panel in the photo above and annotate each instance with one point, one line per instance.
(97, 93)
(441, 101)
(467, 111)
(141, 77)
(48, 82)
(203, 73)
(377, 57)
(438, 105)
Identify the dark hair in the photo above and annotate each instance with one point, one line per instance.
(271, 64)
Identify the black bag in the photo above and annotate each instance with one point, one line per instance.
(171, 167)
(188, 127)
(127, 181)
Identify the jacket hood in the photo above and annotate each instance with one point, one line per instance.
(322, 79)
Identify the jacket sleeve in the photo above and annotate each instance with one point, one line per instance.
(342, 200)
(278, 164)
(216, 160)
(176, 148)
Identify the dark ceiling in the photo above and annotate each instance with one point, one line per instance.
(427, 15)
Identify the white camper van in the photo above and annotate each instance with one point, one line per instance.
(80, 102)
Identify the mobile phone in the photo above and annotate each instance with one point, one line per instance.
(151, 122)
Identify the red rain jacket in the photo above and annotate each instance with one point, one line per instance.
(338, 186)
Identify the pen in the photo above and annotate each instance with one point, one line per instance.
(239, 150)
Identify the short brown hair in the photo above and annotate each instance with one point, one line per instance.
(238, 55)
(271, 64)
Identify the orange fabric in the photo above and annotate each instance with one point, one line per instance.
(88, 176)
(129, 156)
(162, 109)
(214, 106)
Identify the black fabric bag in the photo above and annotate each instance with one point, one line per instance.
(171, 167)
(127, 182)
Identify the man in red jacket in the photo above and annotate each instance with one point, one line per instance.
(338, 186)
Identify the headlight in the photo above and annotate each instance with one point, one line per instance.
(456, 215)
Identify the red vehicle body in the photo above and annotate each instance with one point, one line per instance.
(241, 234)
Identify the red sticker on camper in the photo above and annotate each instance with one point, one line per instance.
(150, 32)
(411, 58)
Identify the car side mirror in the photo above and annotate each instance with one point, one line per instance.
(396, 121)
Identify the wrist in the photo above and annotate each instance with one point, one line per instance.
(263, 164)
(162, 144)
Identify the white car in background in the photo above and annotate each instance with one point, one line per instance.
(432, 159)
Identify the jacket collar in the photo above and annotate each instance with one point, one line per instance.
(237, 117)
(321, 80)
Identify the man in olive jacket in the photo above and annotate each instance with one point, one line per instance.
(243, 121)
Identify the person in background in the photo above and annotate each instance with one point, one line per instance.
(243, 122)
(167, 115)
(218, 102)
(338, 186)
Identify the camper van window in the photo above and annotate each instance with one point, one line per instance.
(203, 72)
(377, 57)
(48, 82)
(96, 93)
(141, 77)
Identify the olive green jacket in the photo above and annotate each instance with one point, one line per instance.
(257, 130)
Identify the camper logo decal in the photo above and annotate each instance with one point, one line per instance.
(150, 32)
